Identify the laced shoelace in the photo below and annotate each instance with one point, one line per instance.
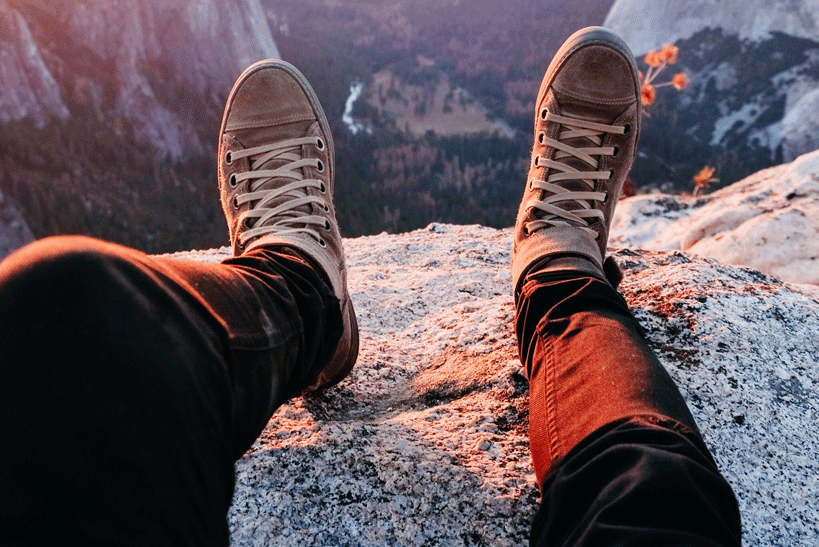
(280, 209)
(584, 213)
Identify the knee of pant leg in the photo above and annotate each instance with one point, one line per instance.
(107, 396)
(58, 281)
(53, 258)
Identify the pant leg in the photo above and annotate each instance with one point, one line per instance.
(130, 384)
(617, 453)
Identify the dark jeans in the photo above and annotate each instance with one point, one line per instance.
(616, 452)
(130, 385)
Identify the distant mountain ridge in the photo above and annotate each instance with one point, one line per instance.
(753, 65)
(150, 63)
(109, 110)
(750, 104)
(642, 22)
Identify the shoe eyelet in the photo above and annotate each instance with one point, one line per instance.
(320, 166)
(611, 174)
(537, 160)
(322, 243)
(320, 144)
(236, 203)
(626, 129)
(232, 181)
(543, 112)
(229, 157)
(541, 137)
(326, 224)
(323, 189)
(326, 208)
(605, 199)
(616, 152)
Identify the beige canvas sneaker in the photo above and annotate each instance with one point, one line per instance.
(276, 168)
(587, 122)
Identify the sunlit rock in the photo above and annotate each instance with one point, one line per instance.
(425, 443)
(768, 221)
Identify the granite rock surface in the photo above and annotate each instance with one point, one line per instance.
(768, 221)
(425, 443)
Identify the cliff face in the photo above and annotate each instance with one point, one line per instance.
(753, 70)
(28, 88)
(152, 64)
(643, 22)
(109, 111)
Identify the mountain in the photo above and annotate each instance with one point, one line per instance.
(754, 85)
(438, 105)
(149, 63)
(109, 113)
(642, 22)
(29, 89)
(445, 90)
(748, 106)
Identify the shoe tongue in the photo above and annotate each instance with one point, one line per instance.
(259, 136)
(585, 110)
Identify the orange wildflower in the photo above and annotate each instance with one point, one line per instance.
(680, 80)
(705, 177)
(669, 54)
(653, 58)
(648, 94)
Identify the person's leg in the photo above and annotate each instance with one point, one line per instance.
(616, 452)
(130, 384)
(124, 400)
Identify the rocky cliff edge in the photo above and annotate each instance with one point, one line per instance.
(425, 443)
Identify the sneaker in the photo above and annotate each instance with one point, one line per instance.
(276, 167)
(587, 121)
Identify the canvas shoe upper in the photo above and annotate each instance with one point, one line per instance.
(587, 122)
(276, 177)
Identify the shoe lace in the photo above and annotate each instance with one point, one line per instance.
(276, 207)
(562, 206)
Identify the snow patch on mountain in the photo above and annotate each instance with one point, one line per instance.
(737, 120)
